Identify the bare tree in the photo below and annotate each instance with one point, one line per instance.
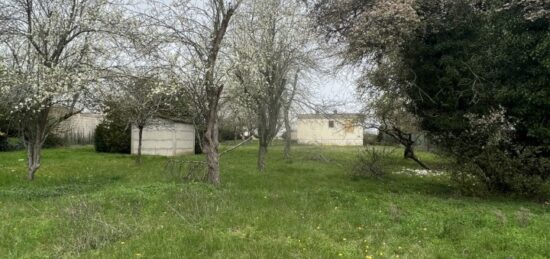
(193, 33)
(48, 48)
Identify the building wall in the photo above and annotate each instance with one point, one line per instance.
(293, 135)
(79, 128)
(165, 138)
(317, 131)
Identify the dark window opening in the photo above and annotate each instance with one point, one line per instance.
(331, 124)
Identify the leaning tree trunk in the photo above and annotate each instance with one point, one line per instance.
(409, 153)
(406, 140)
(140, 141)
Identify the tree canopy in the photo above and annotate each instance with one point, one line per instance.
(475, 73)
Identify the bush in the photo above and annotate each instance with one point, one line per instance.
(4, 144)
(369, 163)
(53, 141)
(370, 139)
(495, 171)
(384, 139)
(113, 137)
(228, 133)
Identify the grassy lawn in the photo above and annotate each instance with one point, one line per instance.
(90, 205)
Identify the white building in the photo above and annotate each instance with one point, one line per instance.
(330, 129)
(164, 137)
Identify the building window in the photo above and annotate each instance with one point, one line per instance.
(331, 124)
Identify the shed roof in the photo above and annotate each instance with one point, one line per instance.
(173, 119)
(331, 116)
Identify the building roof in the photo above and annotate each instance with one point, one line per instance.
(334, 116)
(173, 119)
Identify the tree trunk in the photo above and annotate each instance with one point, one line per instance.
(210, 148)
(198, 142)
(140, 140)
(213, 94)
(406, 140)
(288, 135)
(33, 155)
(409, 153)
(286, 115)
(34, 135)
(262, 155)
(211, 138)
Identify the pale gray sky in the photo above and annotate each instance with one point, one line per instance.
(338, 89)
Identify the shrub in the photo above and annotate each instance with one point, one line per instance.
(370, 140)
(501, 217)
(113, 137)
(494, 171)
(394, 212)
(523, 217)
(369, 163)
(4, 144)
(53, 141)
(466, 180)
(228, 133)
(386, 140)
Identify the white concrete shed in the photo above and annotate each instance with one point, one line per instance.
(165, 137)
(330, 129)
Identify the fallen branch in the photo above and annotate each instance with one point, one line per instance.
(237, 146)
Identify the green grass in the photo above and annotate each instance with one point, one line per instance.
(90, 205)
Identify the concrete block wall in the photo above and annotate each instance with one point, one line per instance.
(317, 131)
(79, 129)
(165, 138)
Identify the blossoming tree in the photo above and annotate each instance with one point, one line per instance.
(192, 36)
(271, 46)
(48, 48)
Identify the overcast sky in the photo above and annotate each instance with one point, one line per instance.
(338, 89)
(332, 87)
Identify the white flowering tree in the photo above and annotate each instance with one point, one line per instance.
(139, 98)
(192, 35)
(273, 41)
(48, 48)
